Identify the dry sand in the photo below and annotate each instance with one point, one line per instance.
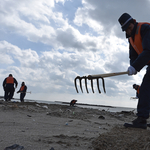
(38, 126)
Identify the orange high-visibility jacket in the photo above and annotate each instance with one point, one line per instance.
(10, 80)
(138, 90)
(137, 43)
(22, 88)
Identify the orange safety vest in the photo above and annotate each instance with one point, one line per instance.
(137, 43)
(22, 88)
(138, 90)
(73, 102)
(10, 80)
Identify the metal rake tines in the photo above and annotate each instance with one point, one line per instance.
(97, 77)
(89, 78)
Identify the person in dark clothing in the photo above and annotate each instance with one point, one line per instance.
(8, 86)
(22, 91)
(137, 88)
(138, 34)
(73, 102)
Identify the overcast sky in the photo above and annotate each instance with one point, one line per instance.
(47, 43)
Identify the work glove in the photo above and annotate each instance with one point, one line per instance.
(131, 71)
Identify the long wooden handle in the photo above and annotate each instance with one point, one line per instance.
(25, 92)
(108, 74)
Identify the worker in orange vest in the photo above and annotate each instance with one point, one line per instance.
(8, 86)
(138, 36)
(22, 91)
(137, 88)
(72, 103)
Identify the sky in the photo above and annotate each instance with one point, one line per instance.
(47, 43)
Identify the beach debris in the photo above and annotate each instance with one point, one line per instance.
(14, 147)
(60, 111)
(68, 110)
(70, 120)
(97, 77)
(14, 106)
(48, 113)
(87, 130)
(120, 115)
(46, 107)
(29, 116)
(57, 114)
(66, 124)
(101, 117)
(128, 112)
(52, 148)
(38, 105)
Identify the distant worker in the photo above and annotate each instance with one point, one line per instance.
(73, 102)
(8, 86)
(22, 91)
(137, 88)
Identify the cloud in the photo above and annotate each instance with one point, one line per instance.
(48, 43)
(102, 16)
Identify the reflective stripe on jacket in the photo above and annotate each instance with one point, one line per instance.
(10, 80)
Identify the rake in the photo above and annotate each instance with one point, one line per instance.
(97, 77)
(25, 92)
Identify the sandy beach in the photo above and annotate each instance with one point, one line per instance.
(40, 126)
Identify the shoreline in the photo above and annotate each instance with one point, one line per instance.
(96, 106)
(82, 105)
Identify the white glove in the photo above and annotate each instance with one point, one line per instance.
(131, 70)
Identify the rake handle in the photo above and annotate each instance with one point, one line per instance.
(25, 92)
(107, 74)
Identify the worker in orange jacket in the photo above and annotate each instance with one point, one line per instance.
(8, 86)
(137, 88)
(22, 91)
(72, 103)
(138, 35)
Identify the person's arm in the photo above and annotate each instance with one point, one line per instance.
(25, 88)
(144, 57)
(137, 95)
(18, 91)
(16, 83)
(132, 54)
(4, 84)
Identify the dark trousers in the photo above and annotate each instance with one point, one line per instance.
(22, 95)
(9, 93)
(143, 107)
